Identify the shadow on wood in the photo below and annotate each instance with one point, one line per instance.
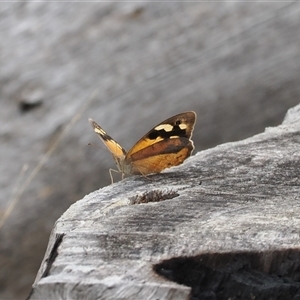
(244, 275)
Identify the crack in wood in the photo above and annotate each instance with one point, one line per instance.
(53, 254)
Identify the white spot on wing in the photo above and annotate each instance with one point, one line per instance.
(100, 131)
(165, 127)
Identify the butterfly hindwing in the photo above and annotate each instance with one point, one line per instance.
(162, 155)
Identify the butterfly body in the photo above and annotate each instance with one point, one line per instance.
(167, 144)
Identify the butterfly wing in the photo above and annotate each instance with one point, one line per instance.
(117, 151)
(167, 144)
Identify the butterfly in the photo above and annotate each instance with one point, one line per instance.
(168, 144)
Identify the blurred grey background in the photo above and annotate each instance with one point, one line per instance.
(236, 64)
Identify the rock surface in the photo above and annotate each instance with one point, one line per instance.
(223, 225)
(236, 64)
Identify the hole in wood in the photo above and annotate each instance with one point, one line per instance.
(245, 275)
(153, 196)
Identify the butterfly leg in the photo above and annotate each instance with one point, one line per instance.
(116, 171)
(144, 175)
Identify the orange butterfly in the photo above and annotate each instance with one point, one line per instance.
(166, 145)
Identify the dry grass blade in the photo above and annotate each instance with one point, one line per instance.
(17, 192)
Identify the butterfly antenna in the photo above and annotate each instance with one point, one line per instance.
(95, 145)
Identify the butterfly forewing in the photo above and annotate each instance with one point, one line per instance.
(115, 149)
(181, 125)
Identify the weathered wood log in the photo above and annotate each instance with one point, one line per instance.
(223, 225)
